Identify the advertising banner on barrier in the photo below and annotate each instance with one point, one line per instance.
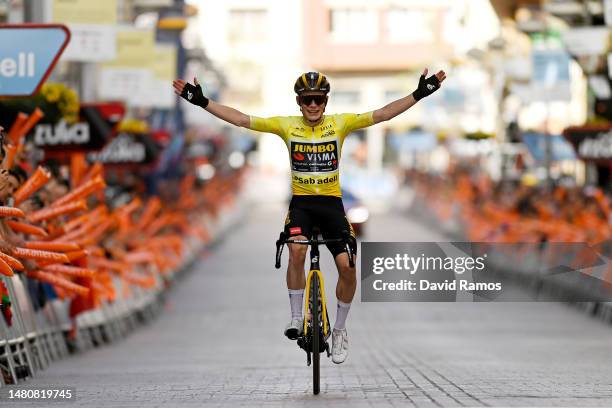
(127, 149)
(28, 53)
(592, 143)
(92, 132)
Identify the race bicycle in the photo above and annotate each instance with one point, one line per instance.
(316, 321)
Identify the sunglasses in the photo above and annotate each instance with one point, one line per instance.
(308, 99)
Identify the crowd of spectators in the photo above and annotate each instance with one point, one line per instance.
(68, 235)
(516, 211)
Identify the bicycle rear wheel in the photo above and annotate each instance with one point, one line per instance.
(316, 328)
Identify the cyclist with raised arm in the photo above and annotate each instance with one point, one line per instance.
(314, 141)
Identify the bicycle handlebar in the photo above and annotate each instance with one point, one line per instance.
(282, 240)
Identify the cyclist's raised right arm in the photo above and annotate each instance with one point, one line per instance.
(193, 94)
(230, 115)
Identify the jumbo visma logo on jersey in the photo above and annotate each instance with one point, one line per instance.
(314, 157)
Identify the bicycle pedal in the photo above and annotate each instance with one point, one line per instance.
(292, 334)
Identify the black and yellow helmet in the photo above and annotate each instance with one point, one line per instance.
(311, 81)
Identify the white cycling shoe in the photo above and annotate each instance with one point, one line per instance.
(295, 328)
(339, 346)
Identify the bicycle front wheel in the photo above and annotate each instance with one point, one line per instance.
(316, 328)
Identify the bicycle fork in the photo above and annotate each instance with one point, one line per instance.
(314, 281)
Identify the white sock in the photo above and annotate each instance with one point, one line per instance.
(341, 314)
(296, 298)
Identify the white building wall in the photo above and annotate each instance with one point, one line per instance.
(267, 66)
(271, 65)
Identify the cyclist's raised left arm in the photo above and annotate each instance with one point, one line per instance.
(426, 87)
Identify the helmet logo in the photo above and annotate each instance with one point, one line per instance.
(311, 81)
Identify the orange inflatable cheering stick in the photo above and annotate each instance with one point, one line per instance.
(26, 228)
(74, 255)
(59, 281)
(40, 255)
(78, 166)
(32, 185)
(53, 246)
(12, 262)
(47, 213)
(149, 212)
(13, 134)
(30, 122)
(11, 212)
(81, 191)
(95, 170)
(71, 270)
(11, 152)
(5, 269)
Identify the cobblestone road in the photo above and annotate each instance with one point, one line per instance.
(219, 343)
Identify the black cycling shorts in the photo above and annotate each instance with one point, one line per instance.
(324, 212)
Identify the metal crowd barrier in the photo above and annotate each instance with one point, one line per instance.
(38, 338)
(528, 272)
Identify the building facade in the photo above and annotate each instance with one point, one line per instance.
(373, 51)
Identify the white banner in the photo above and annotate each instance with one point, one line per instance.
(132, 85)
(91, 43)
(518, 68)
(551, 78)
(587, 41)
(600, 85)
(608, 12)
(161, 94)
(534, 92)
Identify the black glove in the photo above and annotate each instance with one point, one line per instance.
(426, 87)
(194, 95)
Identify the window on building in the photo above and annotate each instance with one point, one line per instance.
(353, 25)
(410, 25)
(248, 26)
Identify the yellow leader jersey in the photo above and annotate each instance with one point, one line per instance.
(314, 151)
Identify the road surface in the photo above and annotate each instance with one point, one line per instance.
(219, 343)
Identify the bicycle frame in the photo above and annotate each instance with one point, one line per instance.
(310, 342)
(314, 268)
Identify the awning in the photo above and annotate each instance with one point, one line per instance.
(560, 148)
